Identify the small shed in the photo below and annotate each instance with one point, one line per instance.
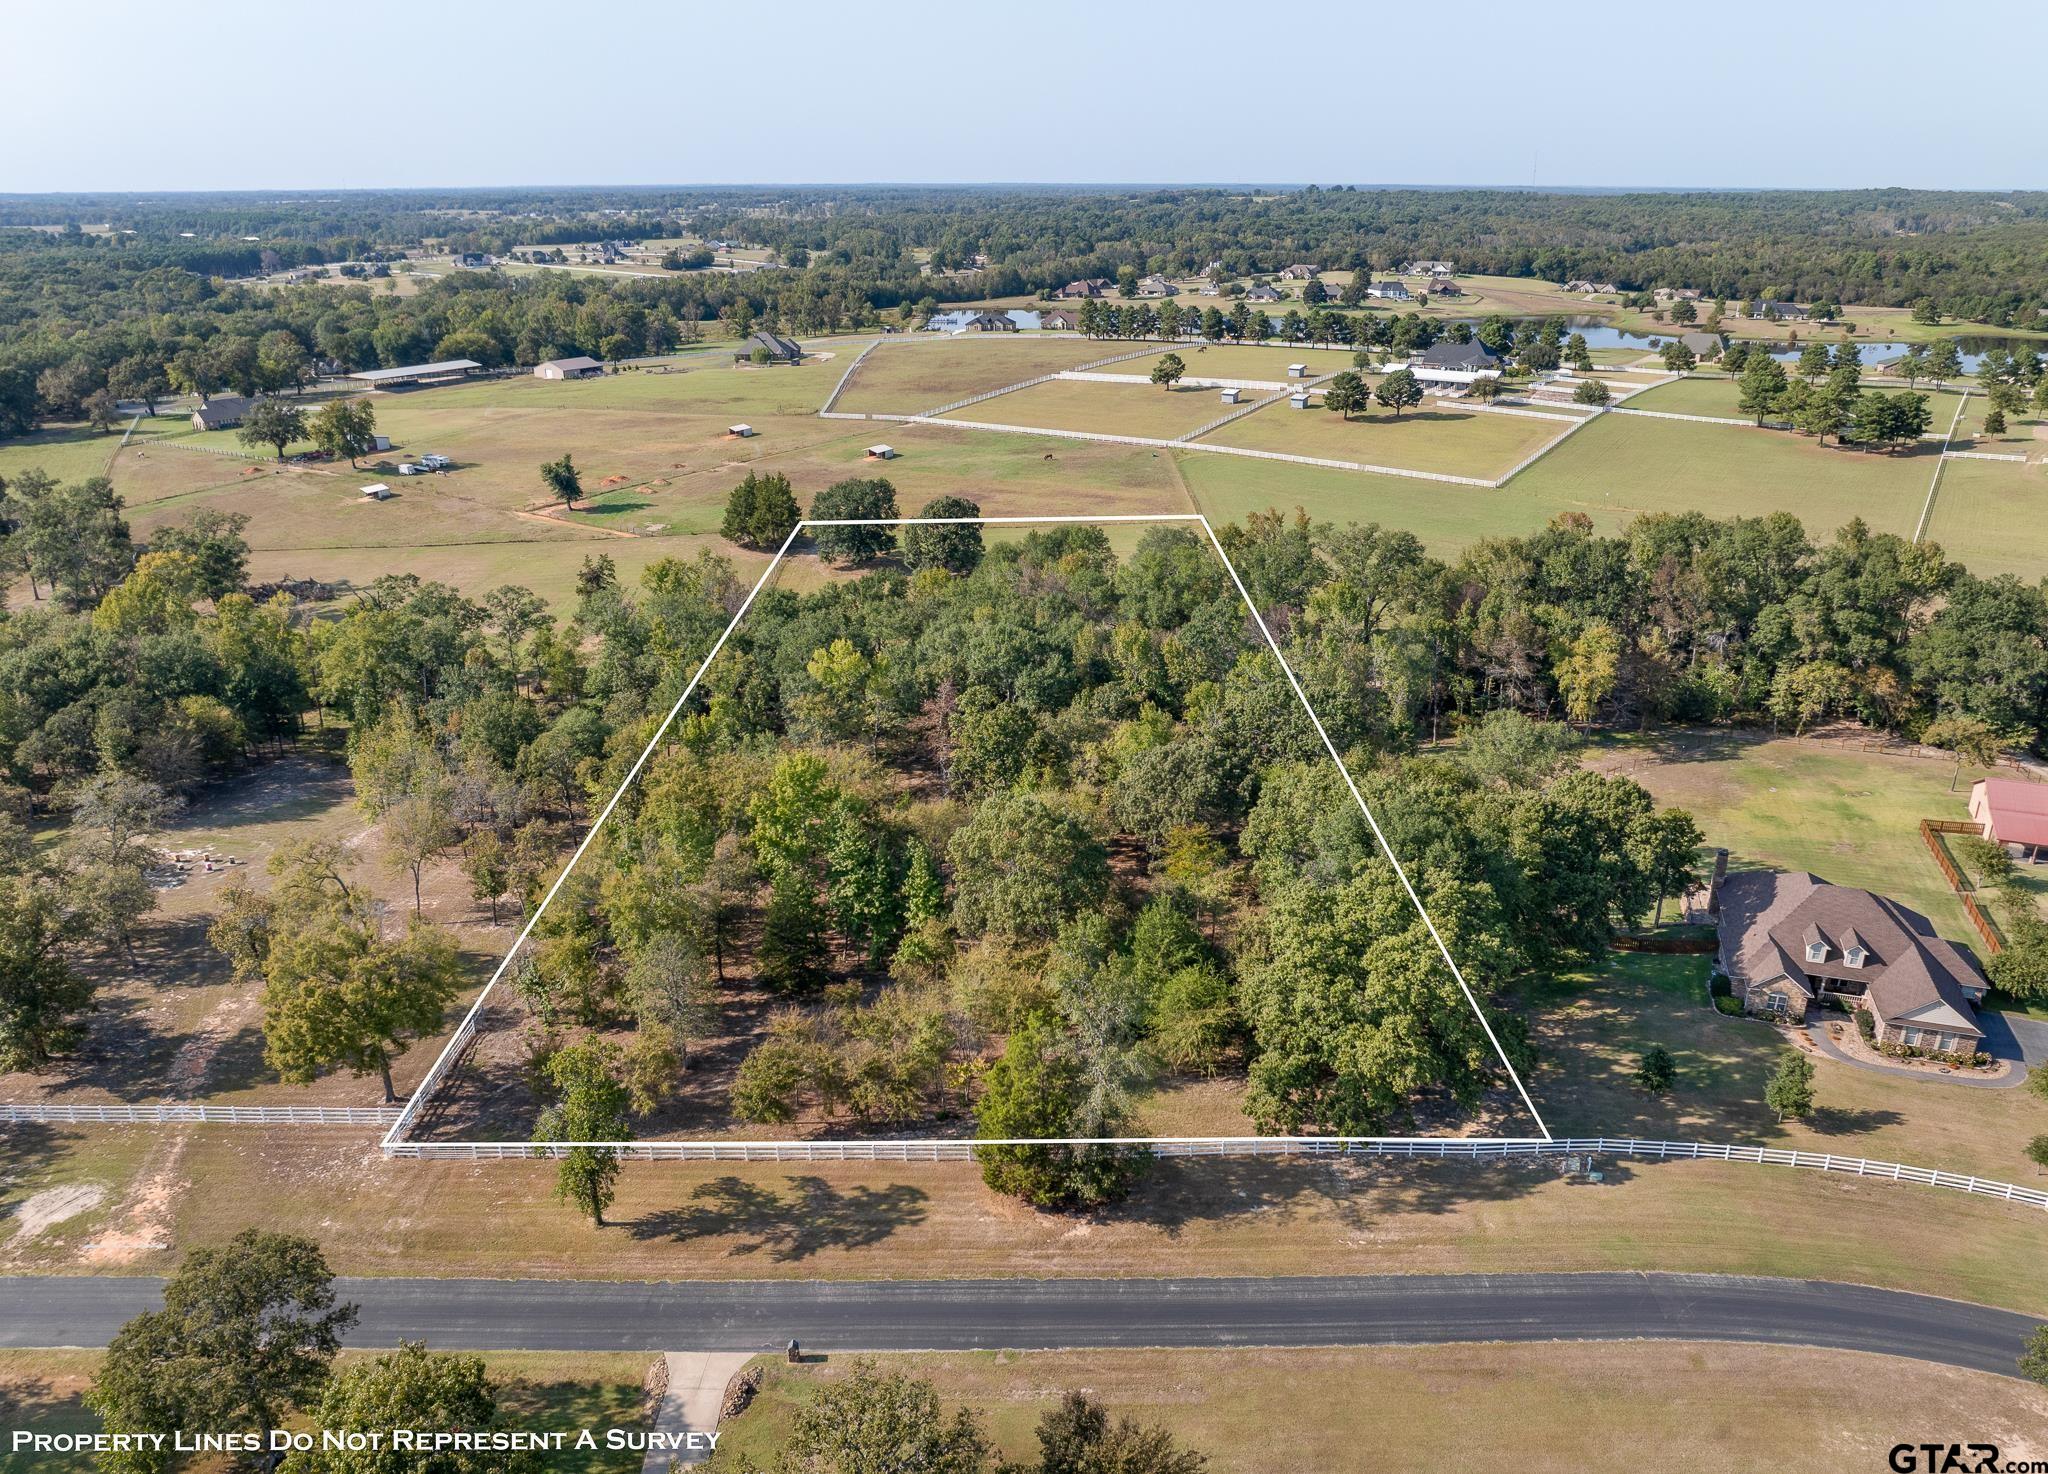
(881, 452)
(1230, 396)
(376, 491)
(380, 442)
(741, 431)
(1297, 371)
(1299, 399)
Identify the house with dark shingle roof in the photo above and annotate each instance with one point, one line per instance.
(1790, 940)
(777, 348)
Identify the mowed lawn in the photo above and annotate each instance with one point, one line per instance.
(1448, 518)
(67, 452)
(1592, 1027)
(1254, 362)
(1102, 409)
(1992, 517)
(1722, 396)
(916, 374)
(1552, 1407)
(1624, 465)
(1844, 807)
(1446, 440)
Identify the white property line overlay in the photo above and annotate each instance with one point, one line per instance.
(467, 1029)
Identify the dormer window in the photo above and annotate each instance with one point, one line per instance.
(1856, 957)
(1816, 951)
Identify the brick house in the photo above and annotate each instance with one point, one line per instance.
(1790, 940)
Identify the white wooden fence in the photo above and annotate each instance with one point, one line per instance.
(1461, 1149)
(174, 1113)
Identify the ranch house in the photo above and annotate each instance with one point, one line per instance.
(1793, 940)
(1391, 291)
(777, 349)
(221, 412)
(1454, 365)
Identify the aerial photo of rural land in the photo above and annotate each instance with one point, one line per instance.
(899, 740)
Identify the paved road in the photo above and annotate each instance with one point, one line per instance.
(550, 1315)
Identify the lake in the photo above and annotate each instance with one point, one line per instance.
(1600, 335)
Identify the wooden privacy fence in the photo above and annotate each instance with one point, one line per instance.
(174, 1113)
(1930, 830)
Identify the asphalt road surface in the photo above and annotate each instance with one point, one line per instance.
(954, 1315)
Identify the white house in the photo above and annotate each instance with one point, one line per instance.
(1454, 365)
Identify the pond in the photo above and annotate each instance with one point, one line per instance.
(1600, 335)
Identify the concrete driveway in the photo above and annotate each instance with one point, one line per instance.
(2006, 1036)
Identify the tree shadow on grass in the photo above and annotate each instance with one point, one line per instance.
(1177, 1195)
(1836, 1121)
(810, 1216)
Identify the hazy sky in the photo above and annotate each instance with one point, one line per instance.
(362, 93)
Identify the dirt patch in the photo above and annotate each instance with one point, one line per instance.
(145, 1222)
(53, 1206)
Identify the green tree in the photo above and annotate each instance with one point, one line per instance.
(1678, 358)
(1077, 1437)
(1667, 847)
(44, 999)
(2037, 1152)
(1034, 1094)
(1022, 867)
(761, 511)
(273, 423)
(1944, 361)
(1399, 390)
(1970, 739)
(338, 993)
(954, 546)
(1760, 384)
(563, 479)
(1994, 421)
(2034, 1359)
(1789, 1091)
(872, 1422)
(1592, 391)
(1168, 371)
(247, 1334)
(1346, 394)
(1656, 1070)
(344, 427)
(859, 499)
(589, 1107)
(409, 1388)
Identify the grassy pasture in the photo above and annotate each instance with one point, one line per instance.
(67, 452)
(1722, 396)
(1433, 437)
(1845, 807)
(921, 373)
(1229, 1216)
(1107, 409)
(1593, 1026)
(1990, 516)
(1446, 518)
(1625, 465)
(1569, 1407)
